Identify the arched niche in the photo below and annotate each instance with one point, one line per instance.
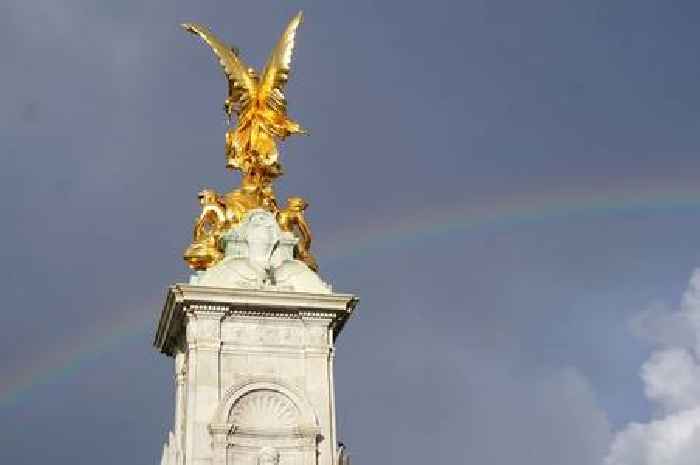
(258, 415)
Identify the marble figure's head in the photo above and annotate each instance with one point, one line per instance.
(262, 234)
(262, 227)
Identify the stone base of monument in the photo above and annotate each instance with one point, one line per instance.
(253, 340)
(253, 374)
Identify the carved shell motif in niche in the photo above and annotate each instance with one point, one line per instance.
(264, 410)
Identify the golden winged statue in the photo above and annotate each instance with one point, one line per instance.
(251, 148)
(258, 101)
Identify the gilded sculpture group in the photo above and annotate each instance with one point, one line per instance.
(251, 148)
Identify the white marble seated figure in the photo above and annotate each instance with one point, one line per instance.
(258, 255)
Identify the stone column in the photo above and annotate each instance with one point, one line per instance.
(180, 402)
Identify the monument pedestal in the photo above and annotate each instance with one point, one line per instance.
(253, 375)
(253, 333)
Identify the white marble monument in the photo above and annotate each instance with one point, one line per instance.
(253, 339)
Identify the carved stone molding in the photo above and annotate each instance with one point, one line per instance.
(264, 410)
(201, 303)
(307, 419)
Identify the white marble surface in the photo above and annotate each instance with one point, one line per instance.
(260, 256)
(253, 375)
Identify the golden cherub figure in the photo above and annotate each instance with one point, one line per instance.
(204, 249)
(292, 219)
(251, 148)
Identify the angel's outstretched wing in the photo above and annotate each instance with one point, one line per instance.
(243, 86)
(276, 72)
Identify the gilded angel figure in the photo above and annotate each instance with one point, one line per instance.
(251, 147)
(258, 101)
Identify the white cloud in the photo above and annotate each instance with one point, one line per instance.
(672, 384)
(672, 380)
(662, 326)
(672, 440)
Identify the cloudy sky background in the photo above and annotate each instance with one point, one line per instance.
(510, 187)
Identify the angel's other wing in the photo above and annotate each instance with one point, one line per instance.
(276, 71)
(234, 68)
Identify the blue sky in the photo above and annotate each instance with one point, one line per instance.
(510, 187)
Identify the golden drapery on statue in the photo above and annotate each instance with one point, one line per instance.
(251, 148)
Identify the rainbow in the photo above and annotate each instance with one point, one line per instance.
(507, 213)
(120, 326)
(374, 235)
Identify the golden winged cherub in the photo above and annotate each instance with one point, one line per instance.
(251, 148)
(204, 248)
(292, 219)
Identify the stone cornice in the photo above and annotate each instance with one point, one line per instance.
(202, 300)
